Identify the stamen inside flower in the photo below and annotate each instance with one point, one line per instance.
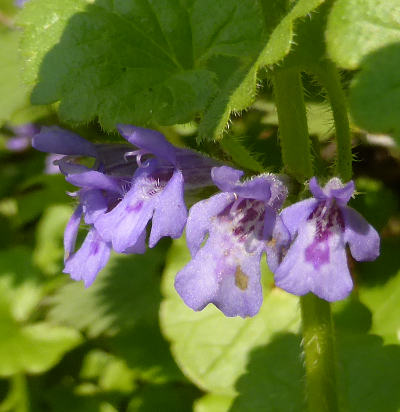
(155, 183)
(138, 153)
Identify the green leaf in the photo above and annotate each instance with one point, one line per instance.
(49, 251)
(147, 62)
(240, 89)
(20, 286)
(274, 378)
(213, 403)
(13, 94)
(159, 62)
(147, 354)
(375, 93)
(26, 348)
(33, 348)
(124, 294)
(383, 301)
(213, 350)
(356, 28)
(368, 373)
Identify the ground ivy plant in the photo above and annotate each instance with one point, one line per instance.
(155, 117)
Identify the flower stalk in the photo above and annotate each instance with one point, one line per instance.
(317, 327)
(330, 79)
(293, 130)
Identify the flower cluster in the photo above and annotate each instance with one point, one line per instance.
(227, 234)
(121, 193)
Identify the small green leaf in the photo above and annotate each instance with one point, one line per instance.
(213, 350)
(49, 251)
(356, 28)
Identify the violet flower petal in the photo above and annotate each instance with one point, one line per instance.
(316, 189)
(94, 180)
(93, 204)
(343, 194)
(87, 262)
(170, 212)
(150, 140)
(362, 238)
(139, 247)
(234, 288)
(71, 231)
(225, 177)
(293, 216)
(53, 139)
(124, 224)
(257, 188)
(325, 273)
(200, 215)
(278, 245)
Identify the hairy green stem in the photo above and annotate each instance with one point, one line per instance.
(319, 351)
(318, 335)
(330, 79)
(293, 130)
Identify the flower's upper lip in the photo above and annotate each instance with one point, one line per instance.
(227, 180)
(333, 189)
(150, 140)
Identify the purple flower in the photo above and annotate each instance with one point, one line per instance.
(238, 221)
(20, 3)
(23, 135)
(157, 191)
(121, 193)
(99, 193)
(320, 228)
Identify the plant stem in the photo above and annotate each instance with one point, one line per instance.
(318, 342)
(330, 79)
(293, 130)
